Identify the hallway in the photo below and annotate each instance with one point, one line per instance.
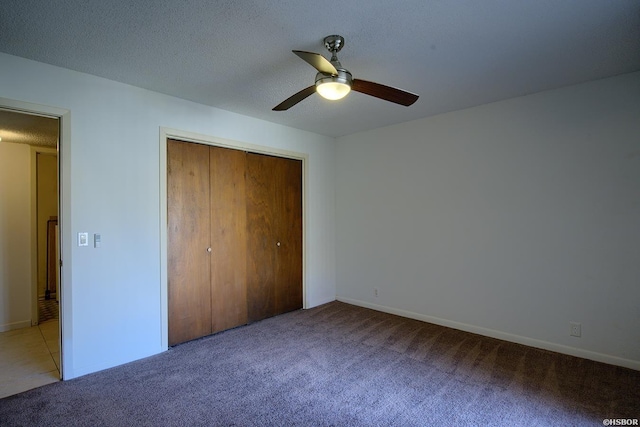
(29, 358)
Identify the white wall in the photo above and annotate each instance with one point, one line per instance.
(111, 185)
(509, 219)
(15, 236)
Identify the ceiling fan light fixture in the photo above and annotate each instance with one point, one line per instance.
(333, 87)
(333, 90)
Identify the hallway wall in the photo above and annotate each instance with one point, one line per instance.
(15, 236)
(47, 207)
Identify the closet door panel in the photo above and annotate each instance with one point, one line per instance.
(228, 238)
(261, 243)
(288, 220)
(188, 233)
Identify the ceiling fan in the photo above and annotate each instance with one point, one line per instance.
(335, 82)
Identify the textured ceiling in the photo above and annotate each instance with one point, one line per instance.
(28, 129)
(236, 55)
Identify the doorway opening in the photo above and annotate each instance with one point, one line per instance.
(30, 245)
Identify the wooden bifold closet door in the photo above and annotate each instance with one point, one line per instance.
(274, 220)
(188, 235)
(234, 238)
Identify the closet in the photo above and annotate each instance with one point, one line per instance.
(234, 238)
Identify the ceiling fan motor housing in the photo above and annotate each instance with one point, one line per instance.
(343, 77)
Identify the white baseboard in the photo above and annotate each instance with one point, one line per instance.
(319, 303)
(531, 342)
(15, 325)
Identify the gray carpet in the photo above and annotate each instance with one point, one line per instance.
(338, 365)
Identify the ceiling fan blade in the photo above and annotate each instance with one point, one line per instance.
(293, 100)
(317, 61)
(387, 93)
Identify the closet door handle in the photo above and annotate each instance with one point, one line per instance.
(209, 250)
(278, 244)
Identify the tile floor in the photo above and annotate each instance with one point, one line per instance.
(29, 358)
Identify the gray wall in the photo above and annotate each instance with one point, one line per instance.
(112, 295)
(509, 219)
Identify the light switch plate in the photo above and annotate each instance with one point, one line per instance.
(83, 239)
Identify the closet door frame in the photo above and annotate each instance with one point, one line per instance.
(168, 133)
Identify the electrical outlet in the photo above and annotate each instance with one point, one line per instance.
(575, 329)
(375, 292)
